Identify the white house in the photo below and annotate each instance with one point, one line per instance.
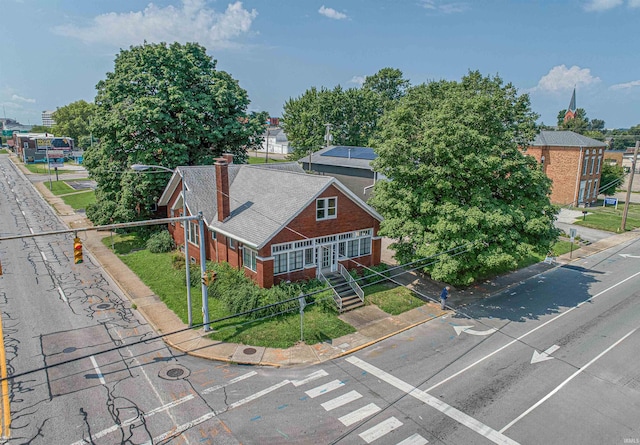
(275, 141)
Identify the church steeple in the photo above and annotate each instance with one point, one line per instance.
(571, 111)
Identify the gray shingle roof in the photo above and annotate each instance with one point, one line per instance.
(565, 139)
(263, 198)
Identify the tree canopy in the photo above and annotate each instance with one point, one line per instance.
(352, 113)
(460, 191)
(611, 178)
(73, 120)
(162, 105)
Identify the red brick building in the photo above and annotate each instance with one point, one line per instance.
(274, 221)
(573, 162)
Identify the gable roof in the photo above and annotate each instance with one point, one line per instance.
(263, 198)
(565, 139)
(342, 156)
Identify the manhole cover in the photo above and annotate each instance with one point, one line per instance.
(68, 350)
(101, 306)
(249, 351)
(174, 372)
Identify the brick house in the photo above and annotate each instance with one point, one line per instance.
(573, 162)
(274, 221)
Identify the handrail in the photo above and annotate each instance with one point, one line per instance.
(351, 282)
(336, 296)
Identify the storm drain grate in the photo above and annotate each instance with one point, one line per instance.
(101, 306)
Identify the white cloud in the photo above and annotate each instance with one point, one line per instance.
(331, 13)
(358, 80)
(190, 22)
(560, 78)
(634, 3)
(624, 86)
(22, 99)
(601, 5)
(444, 6)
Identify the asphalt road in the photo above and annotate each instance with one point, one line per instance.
(552, 360)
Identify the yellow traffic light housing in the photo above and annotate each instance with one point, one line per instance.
(77, 251)
(209, 277)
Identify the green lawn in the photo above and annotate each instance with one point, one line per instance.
(610, 219)
(3, 151)
(261, 158)
(62, 187)
(80, 200)
(43, 170)
(282, 331)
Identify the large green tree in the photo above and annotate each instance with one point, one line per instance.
(611, 178)
(352, 113)
(73, 120)
(164, 105)
(460, 191)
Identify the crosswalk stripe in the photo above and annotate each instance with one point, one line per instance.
(359, 414)
(416, 439)
(342, 400)
(315, 392)
(310, 377)
(380, 429)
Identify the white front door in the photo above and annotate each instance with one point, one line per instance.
(327, 258)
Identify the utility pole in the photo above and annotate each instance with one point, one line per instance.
(327, 134)
(266, 159)
(626, 201)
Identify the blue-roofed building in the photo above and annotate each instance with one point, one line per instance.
(350, 165)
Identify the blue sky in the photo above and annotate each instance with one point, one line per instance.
(55, 51)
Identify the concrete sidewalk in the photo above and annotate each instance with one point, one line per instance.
(372, 324)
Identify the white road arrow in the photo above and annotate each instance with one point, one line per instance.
(542, 356)
(468, 330)
(626, 255)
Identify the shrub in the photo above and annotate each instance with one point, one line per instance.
(160, 242)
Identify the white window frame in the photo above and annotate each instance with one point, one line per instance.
(249, 258)
(583, 184)
(193, 233)
(326, 208)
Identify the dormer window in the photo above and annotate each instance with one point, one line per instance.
(326, 208)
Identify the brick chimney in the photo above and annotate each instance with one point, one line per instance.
(222, 188)
(228, 157)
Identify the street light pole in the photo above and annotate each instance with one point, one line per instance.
(143, 167)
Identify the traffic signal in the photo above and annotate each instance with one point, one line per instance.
(208, 277)
(77, 251)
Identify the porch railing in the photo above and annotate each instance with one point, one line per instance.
(352, 283)
(336, 296)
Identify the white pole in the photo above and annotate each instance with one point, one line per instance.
(203, 271)
(186, 250)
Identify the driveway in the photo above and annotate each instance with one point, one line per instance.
(565, 222)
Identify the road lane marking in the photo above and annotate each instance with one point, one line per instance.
(416, 439)
(311, 377)
(544, 355)
(95, 366)
(181, 429)
(359, 414)
(468, 330)
(342, 400)
(4, 387)
(258, 394)
(44, 258)
(541, 401)
(315, 392)
(448, 410)
(178, 402)
(234, 380)
(531, 332)
(380, 429)
(62, 295)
